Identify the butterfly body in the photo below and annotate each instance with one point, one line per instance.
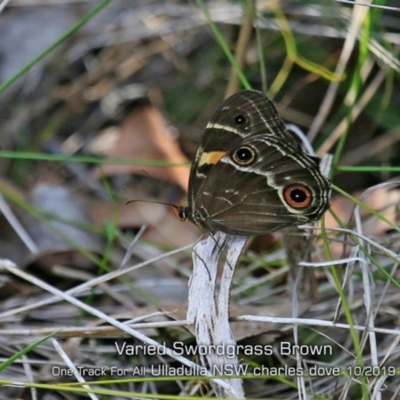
(250, 176)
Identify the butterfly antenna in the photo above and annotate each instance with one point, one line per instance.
(153, 202)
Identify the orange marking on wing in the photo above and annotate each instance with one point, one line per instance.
(211, 158)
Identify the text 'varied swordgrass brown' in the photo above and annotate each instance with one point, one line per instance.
(250, 176)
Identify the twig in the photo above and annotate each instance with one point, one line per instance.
(241, 46)
(355, 24)
(10, 267)
(208, 308)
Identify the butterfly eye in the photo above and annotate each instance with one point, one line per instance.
(180, 212)
(297, 196)
(240, 119)
(244, 155)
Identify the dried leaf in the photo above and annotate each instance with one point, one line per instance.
(144, 136)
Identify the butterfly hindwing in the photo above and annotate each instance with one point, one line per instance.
(256, 202)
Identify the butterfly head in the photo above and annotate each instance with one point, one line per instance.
(180, 211)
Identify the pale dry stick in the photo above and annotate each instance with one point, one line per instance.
(131, 246)
(35, 3)
(312, 322)
(72, 367)
(347, 278)
(369, 294)
(359, 3)
(390, 350)
(358, 16)
(301, 385)
(208, 306)
(90, 331)
(304, 140)
(296, 271)
(241, 46)
(384, 293)
(380, 52)
(383, 55)
(382, 144)
(345, 390)
(96, 281)
(83, 276)
(12, 268)
(377, 308)
(105, 332)
(271, 277)
(369, 332)
(389, 253)
(361, 258)
(29, 375)
(355, 112)
(365, 71)
(3, 5)
(16, 225)
(319, 30)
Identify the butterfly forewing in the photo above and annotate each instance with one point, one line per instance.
(247, 113)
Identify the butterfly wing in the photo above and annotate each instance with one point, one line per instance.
(280, 187)
(244, 114)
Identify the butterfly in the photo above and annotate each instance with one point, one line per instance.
(250, 176)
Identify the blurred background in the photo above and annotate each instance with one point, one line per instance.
(103, 102)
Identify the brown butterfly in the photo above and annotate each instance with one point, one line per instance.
(250, 176)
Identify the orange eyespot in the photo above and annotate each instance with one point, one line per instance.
(297, 196)
(244, 155)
